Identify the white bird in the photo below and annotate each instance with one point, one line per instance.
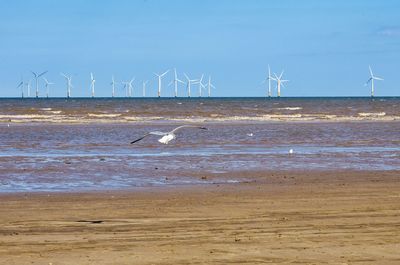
(167, 136)
(291, 151)
(250, 134)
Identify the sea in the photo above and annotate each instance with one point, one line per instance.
(83, 144)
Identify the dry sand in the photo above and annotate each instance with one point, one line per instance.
(282, 218)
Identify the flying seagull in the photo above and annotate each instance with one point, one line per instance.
(167, 136)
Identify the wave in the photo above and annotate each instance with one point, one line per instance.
(118, 118)
(372, 114)
(290, 108)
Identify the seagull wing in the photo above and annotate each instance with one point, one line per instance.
(183, 126)
(148, 134)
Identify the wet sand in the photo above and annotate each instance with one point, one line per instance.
(279, 218)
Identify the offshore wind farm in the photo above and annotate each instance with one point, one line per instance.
(199, 132)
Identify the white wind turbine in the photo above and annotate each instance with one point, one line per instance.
(189, 82)
(159, 82)
(269, 78)
(92, 82)
(175, 82)
(279, 82)
(69, 84)
(130, 87)
(36, 76)
(47, 84)
(113, 86)
(144, 83)
(371, 79)
(201, 85)
(28, 87)
(21, 85)
(209, 86)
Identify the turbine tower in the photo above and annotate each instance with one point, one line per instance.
(113, 86)
(144, 87)
(28, 87)
(209, 85)
(159, 82)
(269, 82)
(69, 84)
(47, 84)
(21, 85)
(92, 82)
(371, 79)
(279, 82)
(269, 78)
(189, 82)
(36, 76)
(175, 82)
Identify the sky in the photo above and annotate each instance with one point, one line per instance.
(324, 47)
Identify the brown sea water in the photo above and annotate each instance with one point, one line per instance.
(83, 144)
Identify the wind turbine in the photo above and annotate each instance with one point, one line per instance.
(92, 82)
(28, 87)
(189, 82)
(175, 82)
(113, 86)
(36, 76)
(130, 87)
(201, 86)
(47, 83)
(69, 84)
(144, 87)
(159, 82)
(371, 79)
(279, 82)
(209, 85)
(21, 85)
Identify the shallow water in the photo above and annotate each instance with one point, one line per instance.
(128, 110)
(65, 157)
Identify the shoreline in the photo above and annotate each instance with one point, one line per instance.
(340, 218)
(249, 177)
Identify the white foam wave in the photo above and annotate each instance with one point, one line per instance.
(372, 114)
(290, 108)
(117, 118)
(103, 115)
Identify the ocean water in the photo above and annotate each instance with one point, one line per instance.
(84, 144)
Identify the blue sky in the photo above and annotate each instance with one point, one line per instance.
(324, 47)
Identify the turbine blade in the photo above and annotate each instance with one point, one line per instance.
(165, 73)
(370, 71)
(42, 73)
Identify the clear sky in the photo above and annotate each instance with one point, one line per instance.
(324, 47)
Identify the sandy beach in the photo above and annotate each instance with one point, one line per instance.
(279, 218)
